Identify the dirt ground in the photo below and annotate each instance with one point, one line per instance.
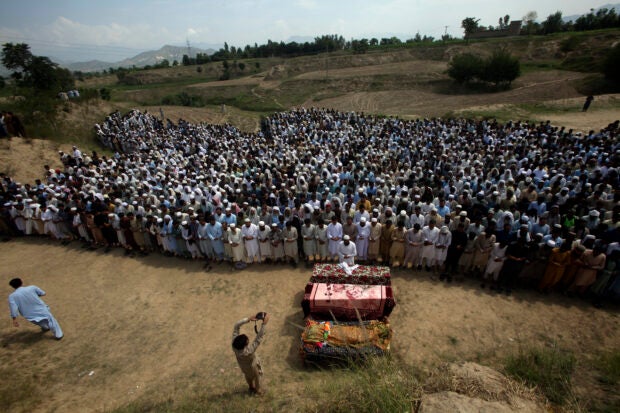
(138, 327)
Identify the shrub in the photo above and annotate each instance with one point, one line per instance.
(105, 93)
(570, 43)
(501, 67)
(465, 68)
(612, 63)
(183, 99)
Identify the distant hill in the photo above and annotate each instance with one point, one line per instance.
(574, 17)
(171, 53)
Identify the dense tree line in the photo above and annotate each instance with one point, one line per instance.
(603, 18)
(322, 44)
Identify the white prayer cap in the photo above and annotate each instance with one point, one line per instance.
(261, 223)
(551, 243)
(403, 213)
(233, 225)
(73, 209)
(228, 209)
(463, 213)
(594, 213)
(363, 219)
(346, 238)
(274, 225)
(444, 230)
(373, 219)
(159, 220)
(109, 215)
(184, 223)
(178, 214)
(247, 220)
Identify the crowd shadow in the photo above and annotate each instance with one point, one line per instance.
(521, 293)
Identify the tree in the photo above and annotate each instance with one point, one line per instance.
(553, 24)
(466, 67)
(241, 66)
(470, 25)
(16, 57)
(501, 68)
(37, 72)
(529, 22)
(185, 61)
(359, 46)
(175, 63)
(2, 83)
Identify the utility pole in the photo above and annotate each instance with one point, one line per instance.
(189, 49)
(445, 32)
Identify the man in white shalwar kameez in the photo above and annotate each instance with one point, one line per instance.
(430, 234)
(236, 242)
(334, 234)
(249, 231)
(264, 241)
(347, 251)
(308, 234)
(25, 301)
(361, 242)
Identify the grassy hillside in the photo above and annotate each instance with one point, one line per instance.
(408, 81)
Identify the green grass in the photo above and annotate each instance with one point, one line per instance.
(165, 83)
(376, 385)
(548, 369)
(380, 384)
(608, 366)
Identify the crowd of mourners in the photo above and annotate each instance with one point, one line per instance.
(511, 205)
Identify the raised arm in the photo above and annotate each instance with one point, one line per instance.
(238, 325)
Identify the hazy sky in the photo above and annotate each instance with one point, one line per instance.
(114, 29)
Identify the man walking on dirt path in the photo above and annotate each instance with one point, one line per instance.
(587, 103)
(248, 360)
(26, 301)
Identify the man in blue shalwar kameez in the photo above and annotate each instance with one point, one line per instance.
(27, 302)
